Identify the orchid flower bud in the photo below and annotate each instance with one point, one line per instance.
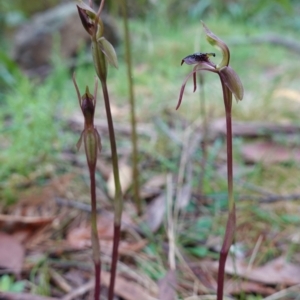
(89, 135)
(101, 47)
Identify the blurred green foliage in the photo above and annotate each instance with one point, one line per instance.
(31, 132)
(238, 10)
(9, 72)
(8, 284)
(27, 10)
(261, 11)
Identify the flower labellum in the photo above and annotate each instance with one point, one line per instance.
(197, 58)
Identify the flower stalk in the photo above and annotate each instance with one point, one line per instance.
(231, 84)
(104, 52)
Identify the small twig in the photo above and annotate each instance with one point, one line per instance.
(254, 253)
(75, 204)
(199, 284)
(295, 289)
(170, 223)
(120, 290)
(267, 199)
(23, 296)
(206, 297)
(134, 141)
(255, 188)
(121, 128)
(80, 291)
(271, 198)
(60, 281)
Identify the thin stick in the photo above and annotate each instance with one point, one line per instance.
(295, 289)
(170, 224)
(78, 292)
(136, 182)
(23, 296)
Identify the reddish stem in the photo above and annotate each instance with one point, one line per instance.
(230, 227)
(228, 239)
(117, 233)
(97, 280)
(94, 235)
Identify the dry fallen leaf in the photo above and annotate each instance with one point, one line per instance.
(155, 212)
(269, 152)
(153, 186)
(22, 227)
(126, 289)
(125, 179)
(184, 195)
(24, 296)
(277, 271)
(167, 286)
(236, 287)
(251, 129)
(11, 253)
(80, 237)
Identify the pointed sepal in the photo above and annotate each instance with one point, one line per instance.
(218, 43)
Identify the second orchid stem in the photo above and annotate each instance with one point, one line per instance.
(118, 201)
(94, 235)
(230, 227)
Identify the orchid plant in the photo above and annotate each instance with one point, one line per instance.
(104, 52)
(92, 143)
(231, 84)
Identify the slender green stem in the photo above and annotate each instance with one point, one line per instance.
(230, 227)
(94, 235)
(136, 184)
